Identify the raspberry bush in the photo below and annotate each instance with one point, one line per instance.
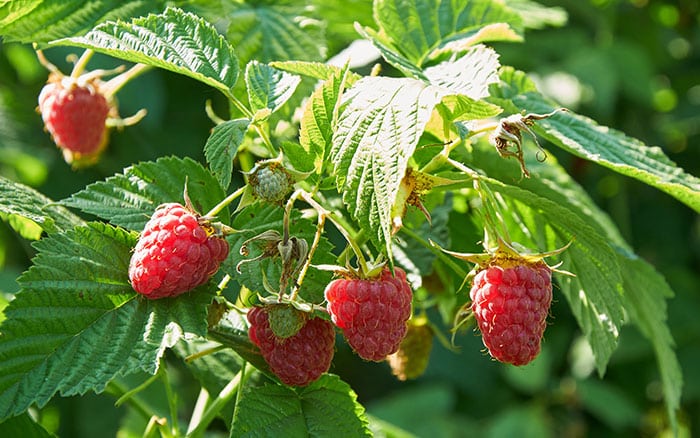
(288, 225)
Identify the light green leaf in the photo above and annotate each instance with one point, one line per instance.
(269, 32)
(458, 107)
(584, 138)
(320, 112)
(260, 217)
(327, 407)
(19, 201)
(316, 70)
(469, 74)
(390, 54)
(537, 16)
(268, 87)
(77, 323)
(41, 21)
(129, 199)
(175, 40)
(595, 294)
(416, 28)
(222, 146)
(378, 129)
(646, 291)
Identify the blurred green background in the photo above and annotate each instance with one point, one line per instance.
(629, 64)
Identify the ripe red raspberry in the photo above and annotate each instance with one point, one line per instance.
(372, 313)
(510, 304)
(298, 359)
(411, 360)
(75, 115)
(175, 253)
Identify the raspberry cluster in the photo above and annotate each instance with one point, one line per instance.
(510, 305)
(174, 254)
(372, 313)
(298, 359)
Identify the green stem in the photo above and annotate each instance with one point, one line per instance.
(249, 115)
(199, 409)
(226, 394)
(129, 394)
(172, 399)
(338, 222)
(81, 63)
(225, 202)
(118, 390)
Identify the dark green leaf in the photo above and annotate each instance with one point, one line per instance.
(23, 426)
(129, 199)
(19, 200)
(77, 323)
(222, 146)
(268, 32)
(326, 407)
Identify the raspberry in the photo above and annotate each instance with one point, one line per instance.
(299, 359)
(510, 304)
(270, 181)
(75, 115)
(411, 360)
(174, 253)
(372, 313)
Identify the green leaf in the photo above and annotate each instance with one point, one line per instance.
(129, 199)
(416, 28)
(390, 54)
(316, 70)
(222, 146)
(21, 201)
(23, 426)
(646, 291)
(320, 112)
(77, 323)
(459, 107)
(537, 16)
(469, 74)
(268, 87)
(268, 32)
(595, 294)
(258, 218)
(326, 407)
(175, 40)
(378, 129)
(41, 21)
(584, 138)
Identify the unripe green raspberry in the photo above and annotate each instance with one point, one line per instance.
(270, 181)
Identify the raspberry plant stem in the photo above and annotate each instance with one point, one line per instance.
(225, 202)
(197, 428)
(172, 398)
(249, 115)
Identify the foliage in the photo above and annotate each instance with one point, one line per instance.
(364, 146)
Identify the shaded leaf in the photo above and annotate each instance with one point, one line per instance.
(175, 40)
(269, 32)
(326, 407)
(221, 148)
(24, 202)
